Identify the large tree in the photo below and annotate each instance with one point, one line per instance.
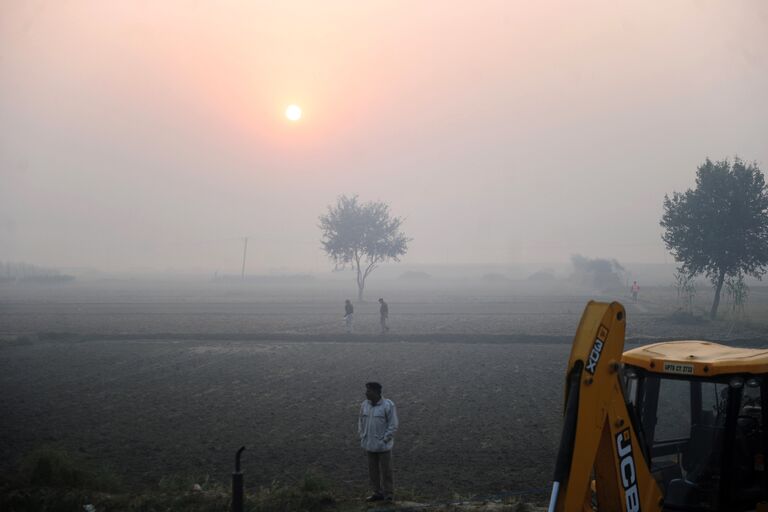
(720, 228)
(363, 235)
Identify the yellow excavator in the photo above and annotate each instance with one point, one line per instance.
(671, 426)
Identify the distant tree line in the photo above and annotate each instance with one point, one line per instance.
(719, 229)
(25, 272)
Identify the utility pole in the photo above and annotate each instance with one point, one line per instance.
(245, 251)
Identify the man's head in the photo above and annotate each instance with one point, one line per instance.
(381, 300)
(373, 391)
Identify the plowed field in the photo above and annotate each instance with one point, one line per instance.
(156, 384)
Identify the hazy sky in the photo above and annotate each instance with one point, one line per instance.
(151, 134)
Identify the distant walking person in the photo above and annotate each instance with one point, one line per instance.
(376, 427)
(635, 290)
(384, 312)
(348, 315)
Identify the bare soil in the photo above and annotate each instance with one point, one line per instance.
(172, 380)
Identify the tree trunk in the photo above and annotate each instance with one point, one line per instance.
(718, 288)
(360, 279)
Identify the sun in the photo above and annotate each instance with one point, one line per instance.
(293, 112)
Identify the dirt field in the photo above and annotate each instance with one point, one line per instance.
(173, 379)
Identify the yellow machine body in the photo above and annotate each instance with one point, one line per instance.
(699, 358)
(603, 461)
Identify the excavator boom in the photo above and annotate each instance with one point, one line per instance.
(599, 441)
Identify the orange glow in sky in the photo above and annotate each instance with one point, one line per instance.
(486, 126)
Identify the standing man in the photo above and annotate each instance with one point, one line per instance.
(376, 426)
(348, 312)
(635, 289)
(384, 312)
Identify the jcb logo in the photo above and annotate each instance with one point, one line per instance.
(597, 348)
(628, 470)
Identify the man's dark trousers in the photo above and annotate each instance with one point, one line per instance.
(380, 473)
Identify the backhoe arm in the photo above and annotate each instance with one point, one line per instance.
(599, 439)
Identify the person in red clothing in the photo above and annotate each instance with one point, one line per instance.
(635, 290)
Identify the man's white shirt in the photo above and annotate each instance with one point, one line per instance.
(377, 425)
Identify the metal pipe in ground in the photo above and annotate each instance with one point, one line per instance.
(237, 484)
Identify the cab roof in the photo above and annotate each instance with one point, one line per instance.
(699, 358)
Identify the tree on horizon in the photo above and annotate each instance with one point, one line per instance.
(362, 234)
(720, 228)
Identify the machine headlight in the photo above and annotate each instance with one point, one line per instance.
(736, 383)
(754, 382)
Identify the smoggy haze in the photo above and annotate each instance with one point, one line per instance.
(151, 134)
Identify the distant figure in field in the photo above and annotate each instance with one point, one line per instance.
(384, 312)
(348, 315)
(376, 427)
(635, 290)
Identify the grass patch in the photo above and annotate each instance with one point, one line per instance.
(51, 479)
(409, 494)
(57, 468)
(312, 493)
(183, 482)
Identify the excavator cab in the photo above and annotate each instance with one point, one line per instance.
(702, 424)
